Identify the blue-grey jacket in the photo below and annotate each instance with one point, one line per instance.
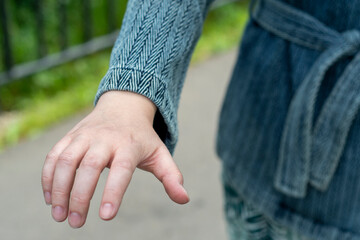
(289, 127)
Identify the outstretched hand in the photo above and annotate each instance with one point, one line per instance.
(117, 134)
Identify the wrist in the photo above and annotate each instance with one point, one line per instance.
(132, 103)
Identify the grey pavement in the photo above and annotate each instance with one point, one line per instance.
(146, 211)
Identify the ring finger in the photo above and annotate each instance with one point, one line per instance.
(64, 176)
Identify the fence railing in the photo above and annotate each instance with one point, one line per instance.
(90, 44)
(68, 53)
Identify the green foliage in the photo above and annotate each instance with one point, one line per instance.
(58, 93)
(24, 30)
(41, 100)
(222, 30)
(23, 35)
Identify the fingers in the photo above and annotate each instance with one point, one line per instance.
(85, 182)
(164, 168)
(70, 190)
(49, 167)
(121, 171)
(170, 176)
(64, 176)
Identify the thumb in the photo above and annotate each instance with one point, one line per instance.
(164, 168)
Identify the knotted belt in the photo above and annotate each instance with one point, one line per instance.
(310, 152)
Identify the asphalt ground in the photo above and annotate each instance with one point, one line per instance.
(146, 211)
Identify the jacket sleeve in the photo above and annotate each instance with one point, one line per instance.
(152, 54)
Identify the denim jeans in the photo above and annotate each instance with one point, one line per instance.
(246, 222)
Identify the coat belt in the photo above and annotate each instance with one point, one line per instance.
(310, 152)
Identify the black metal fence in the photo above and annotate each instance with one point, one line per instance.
(44, 60)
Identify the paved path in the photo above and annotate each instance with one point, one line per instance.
(146, 212)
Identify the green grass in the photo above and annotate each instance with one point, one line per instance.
(53, 95)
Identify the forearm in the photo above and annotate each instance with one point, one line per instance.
(153, 52)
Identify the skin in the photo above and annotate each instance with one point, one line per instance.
(117, 134)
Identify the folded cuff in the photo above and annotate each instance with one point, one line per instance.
(150, 86)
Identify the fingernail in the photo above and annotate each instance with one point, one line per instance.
(58, 213)
(185, 191)
(47, 197)
(188, 198)
(75, 220)
(107, 210)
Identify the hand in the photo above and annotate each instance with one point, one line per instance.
(117, 134)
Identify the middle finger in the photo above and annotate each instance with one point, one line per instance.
(87, 176)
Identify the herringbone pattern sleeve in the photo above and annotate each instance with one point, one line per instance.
(152, 54)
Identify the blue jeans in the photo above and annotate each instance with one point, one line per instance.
(246, 222)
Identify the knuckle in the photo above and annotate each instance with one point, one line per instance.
(52, 155)
(113, 192)
(130, 138)
(58, 193)
(67, 159)
(177, 174)
(79, 199)
(46, 179)
(68, 138)
(169, 176)
(124, 165)
(92, 161)
(81, 136)
(181, 178)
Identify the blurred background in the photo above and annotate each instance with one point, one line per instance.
(53, 55)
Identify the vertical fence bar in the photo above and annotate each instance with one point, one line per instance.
(87, 20)
(7, 51)
(111, 7)
(63, 24)
(42, 49)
